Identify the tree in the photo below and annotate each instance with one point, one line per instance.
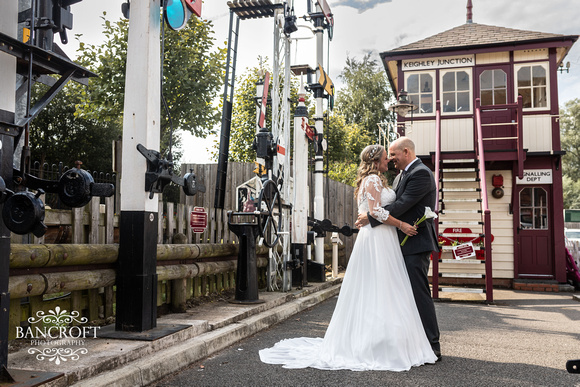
(360, 105)
(56, 135)
(345, 142)
(570, 138)
(192, 76)
(243, 128)
(364, 98)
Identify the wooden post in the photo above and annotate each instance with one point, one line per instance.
(109, 220)
(204, 286)
(109, 300)
(170, 222)
(95, 213)
(189, 288)
(160, 220)
(197, 287)
(93, 304)
(178, 295)
(77, 225)
(181, 218)
(76, 299)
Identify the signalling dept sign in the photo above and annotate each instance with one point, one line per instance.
(198, 219)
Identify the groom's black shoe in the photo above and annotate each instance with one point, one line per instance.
(439, 357)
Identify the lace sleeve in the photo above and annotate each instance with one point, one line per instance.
(372, 189)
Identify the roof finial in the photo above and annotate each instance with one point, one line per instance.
(469, 12)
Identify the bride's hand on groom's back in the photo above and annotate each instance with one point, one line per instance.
(408, 229)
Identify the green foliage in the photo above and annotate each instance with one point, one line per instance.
(345, 142)
(360, 105)
(192, 76)
(571, 192)
(243, 129)
(364, 98)
(570, 138)
(56, 135)
(344, 172)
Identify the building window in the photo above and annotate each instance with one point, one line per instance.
(533, 208)
(532, 85)
(456, 91)
(420, 91)
(493, 87)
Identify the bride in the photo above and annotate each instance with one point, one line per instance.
(375, 325)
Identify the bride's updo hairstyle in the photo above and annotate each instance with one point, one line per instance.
(369, 162)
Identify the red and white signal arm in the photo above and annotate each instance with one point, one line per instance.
(326, 10)
(198, 219)
(194, 6)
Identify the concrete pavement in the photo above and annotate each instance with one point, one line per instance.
(213, 327)
(209, 328)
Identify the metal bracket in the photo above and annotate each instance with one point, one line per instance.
(322, 226)
(160, 173)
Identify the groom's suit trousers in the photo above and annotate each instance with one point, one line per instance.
(418, 269)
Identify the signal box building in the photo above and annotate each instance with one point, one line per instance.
(486, 121)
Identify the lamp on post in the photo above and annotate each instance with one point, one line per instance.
(561, 68)
(403, 105)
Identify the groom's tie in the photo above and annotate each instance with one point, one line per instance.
(398, 179)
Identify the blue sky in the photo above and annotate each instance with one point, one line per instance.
(362, 27)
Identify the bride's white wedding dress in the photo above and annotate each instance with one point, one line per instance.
(375, 325)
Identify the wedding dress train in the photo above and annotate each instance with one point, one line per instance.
(375, 325)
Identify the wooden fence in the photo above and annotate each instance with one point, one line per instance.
(73, 265)
(340, 206)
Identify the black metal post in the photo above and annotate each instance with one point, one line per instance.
(137, 272)
(6, 155)
(247, 270)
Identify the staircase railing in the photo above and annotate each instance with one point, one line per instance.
(484, 202)
(435, 257)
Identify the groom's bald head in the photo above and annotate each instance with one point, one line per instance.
(402, 152)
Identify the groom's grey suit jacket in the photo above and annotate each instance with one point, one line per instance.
(415, 191)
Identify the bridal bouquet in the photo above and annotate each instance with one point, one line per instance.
(428, 215)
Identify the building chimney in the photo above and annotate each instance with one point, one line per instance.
(469, 12)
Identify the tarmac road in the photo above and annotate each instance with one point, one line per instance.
(524, 339)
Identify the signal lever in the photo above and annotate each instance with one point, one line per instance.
(321, 226)
(75, 187)
(160, 173)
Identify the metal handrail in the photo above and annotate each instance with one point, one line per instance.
(484, 202)
(435, 273)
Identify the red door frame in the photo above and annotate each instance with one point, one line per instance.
(548, 271)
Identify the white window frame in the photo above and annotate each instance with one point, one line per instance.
(469, 71)
(546, 66)
(418, 113)
(493, 88)
(533, 207)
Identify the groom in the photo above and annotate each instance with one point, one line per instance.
(415, 189)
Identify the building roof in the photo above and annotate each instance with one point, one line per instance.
(473, 35)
